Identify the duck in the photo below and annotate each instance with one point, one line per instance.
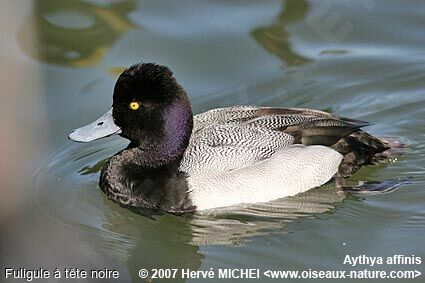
(177, 162)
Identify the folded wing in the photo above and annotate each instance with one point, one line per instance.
(235, 137)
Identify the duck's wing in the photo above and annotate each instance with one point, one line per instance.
(307, 126)
(247, 113)
(230, 146)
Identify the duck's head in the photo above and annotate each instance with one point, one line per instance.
(149, 108)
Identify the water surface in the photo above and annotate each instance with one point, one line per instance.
(360, 59)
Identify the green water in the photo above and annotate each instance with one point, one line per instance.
(359, 59)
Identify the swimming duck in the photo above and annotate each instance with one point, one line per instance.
(177, 162)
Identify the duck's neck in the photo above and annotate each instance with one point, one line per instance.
(146, 173)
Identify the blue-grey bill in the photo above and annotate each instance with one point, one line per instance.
(102, 127)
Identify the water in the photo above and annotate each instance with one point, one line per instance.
(362, 59)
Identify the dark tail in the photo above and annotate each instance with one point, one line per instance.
(361, 148)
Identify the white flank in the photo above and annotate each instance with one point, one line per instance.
(288, 172)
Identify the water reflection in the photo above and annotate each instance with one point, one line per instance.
(234, 226)
(275, 37)
(76, 33)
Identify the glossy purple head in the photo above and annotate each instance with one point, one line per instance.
(149, 108)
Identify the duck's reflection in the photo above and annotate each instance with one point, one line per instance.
(275, 38)
(74, 32)
(233, 226)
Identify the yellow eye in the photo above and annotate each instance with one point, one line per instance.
(134, 106)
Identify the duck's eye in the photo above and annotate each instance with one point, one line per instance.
(134, 105)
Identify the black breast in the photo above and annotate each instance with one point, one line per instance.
(161, 188)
